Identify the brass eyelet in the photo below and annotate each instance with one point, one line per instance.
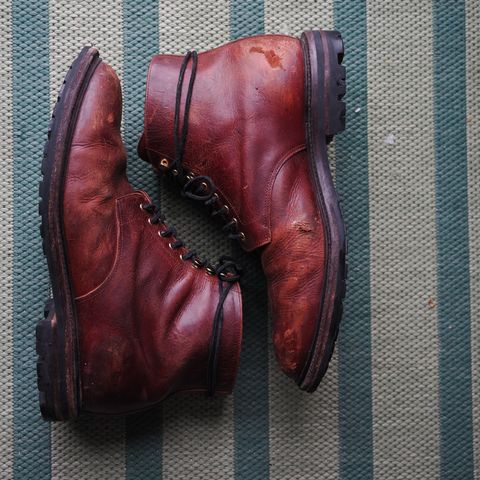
(241, 236)
(181, 257)
(189, 177)
(164, 163)
(149, 221)
(215, 196)
(235, 221)
(210, 271)
(204, 185)
(195, 264)
(160, 233)
(171, 245)
(174, 172)
(225, 207)
(141, 207)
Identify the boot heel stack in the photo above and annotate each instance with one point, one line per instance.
(49, 381)
(325, 51)
(336, 84)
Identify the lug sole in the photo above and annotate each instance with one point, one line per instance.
(325, 84)
(56, 333)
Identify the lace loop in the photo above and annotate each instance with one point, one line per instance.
(200, 188)
(228, 269)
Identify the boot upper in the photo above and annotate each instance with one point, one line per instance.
(247, 133)
(145, 317)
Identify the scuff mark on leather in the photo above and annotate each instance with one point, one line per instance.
(303, 226)
(286, 346)
(272, 58)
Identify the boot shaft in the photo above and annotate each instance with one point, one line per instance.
(246, 118)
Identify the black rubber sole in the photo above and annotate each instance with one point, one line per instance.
(56, 333)
(325, 86)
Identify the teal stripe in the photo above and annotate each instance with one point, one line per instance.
(251, 413)
(251, 417)
(144, 437)
(31, 114)
(354, 349)
(456, 432)
(140, 43)
(246, 18)
(144, 446)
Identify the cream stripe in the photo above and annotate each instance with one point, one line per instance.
(99, 25)
(293, 17)
(193, 25)
(304, 439)
(198, 433)
(88, 448)
(402, 235)
(472, 21)
(298, 419)
(332, 158)
(6, 241)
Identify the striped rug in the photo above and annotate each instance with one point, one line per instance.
(402, 397)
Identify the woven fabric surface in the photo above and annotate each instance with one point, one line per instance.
(401, 397)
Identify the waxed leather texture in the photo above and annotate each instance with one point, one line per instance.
(293, 263)
(247, 132)
(242, 122)
(144, 316)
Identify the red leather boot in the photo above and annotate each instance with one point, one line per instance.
(135, 316)
(244, 128)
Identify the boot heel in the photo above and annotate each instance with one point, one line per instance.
(326, 77)
(52, 390)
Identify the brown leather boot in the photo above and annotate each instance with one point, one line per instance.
(135, 316)
(244, 128)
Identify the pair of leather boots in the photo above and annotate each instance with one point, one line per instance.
(136, 316)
